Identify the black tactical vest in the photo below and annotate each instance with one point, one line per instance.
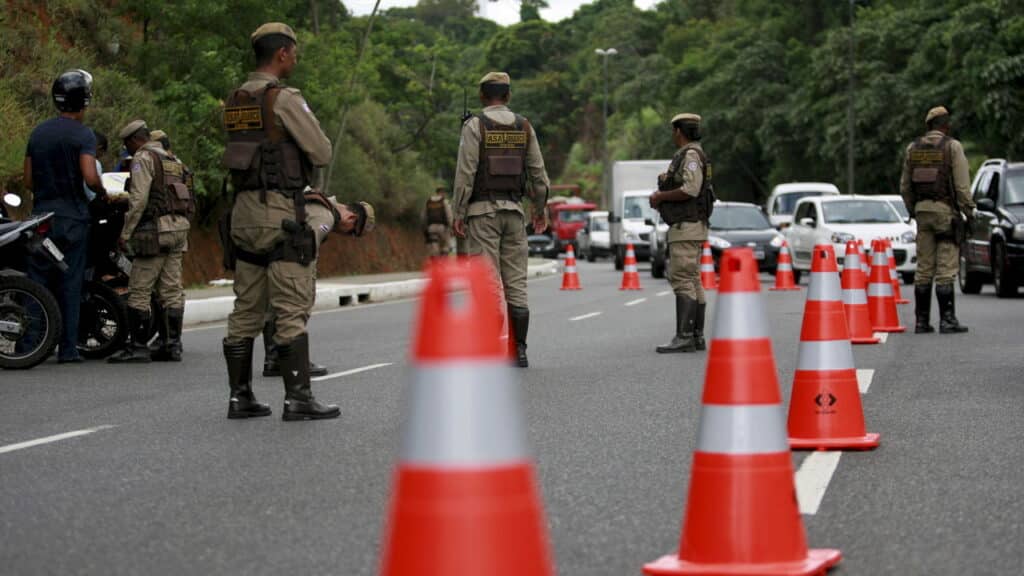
(436, 213)
(171, 190)
(501, 173)
(930, 171)
(697, 209)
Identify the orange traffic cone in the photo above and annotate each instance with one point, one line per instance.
(784, 279)
(741, 516)
(864, 266)
(855, 297)
(630, 277)
(824, 410)
(465, 500)
(708, 280)
(894, 275)
(881, 304)
(570, 279)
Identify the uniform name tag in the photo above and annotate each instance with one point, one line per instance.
(238, 118)
(173, 168)
(926, 156)
(505, 139)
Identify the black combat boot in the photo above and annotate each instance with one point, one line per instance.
(684, 340)
(948, 324)
(159, 316)
(923, 308)
(519, 324)
(171, 349)
(271, 369)
(698, 328)
(299, 403)
(135, 350)
(242, 404)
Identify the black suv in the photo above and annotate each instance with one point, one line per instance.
(994, 249)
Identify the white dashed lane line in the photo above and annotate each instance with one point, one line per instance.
(664, 293)
(812, 479)
(584, 316)
(51, 439)
(635, 302)
(864, 378)
(351, 372)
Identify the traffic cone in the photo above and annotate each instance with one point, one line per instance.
(784, 271)
(864, 267)
(881, 304)
(741, 514)
(824, 409)
(465, 499)
(855, 297)
(708, 280)
(894, 275)
(630, 277)
(570, 279)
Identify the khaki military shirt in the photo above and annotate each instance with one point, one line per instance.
(143, 168)
(961, 178)
(469, 160)
(257, 226)
(690, 171)
(447, 209)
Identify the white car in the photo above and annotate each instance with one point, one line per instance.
(593, 238)
(784, 197)
(897, 202)
(836, 220)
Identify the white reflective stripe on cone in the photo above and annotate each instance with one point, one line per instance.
(824, 286)
(464, 414)
(825, 355)
(707, 267)
(739, 316)
(879, 290)
(851, 261)
(892, 273)
(879, 259)
(706, 252)
(784, 267)
(570, 269)
(629, 268)
(742, 429)
(854, 296)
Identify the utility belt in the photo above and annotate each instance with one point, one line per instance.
(299, 246)
(492, 196)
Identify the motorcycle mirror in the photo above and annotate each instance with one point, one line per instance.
(12, 200)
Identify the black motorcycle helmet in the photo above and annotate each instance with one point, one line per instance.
(72, 91)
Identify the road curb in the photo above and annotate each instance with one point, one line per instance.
(331, 295)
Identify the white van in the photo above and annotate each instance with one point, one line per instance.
(784, 197)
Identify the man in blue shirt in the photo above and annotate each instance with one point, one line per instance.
(60, 156)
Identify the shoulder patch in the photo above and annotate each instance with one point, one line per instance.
(305, 106)
(692, 166)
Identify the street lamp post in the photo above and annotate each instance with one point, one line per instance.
(604, 121)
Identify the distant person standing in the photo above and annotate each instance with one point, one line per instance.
(684, 199)
(936, 187)
(437, 224)
(60, 157)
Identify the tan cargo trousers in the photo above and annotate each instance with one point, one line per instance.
(501, 237)
(937, 260)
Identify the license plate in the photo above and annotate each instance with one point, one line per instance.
(759, 254)
(53, 250)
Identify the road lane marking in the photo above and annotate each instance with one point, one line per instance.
(882, 336)
(812, 479)
(635, 302)
(351, 372)
(50, 439)
(664, 293)
(864, 378)
(584, 317)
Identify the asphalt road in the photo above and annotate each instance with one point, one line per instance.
(172, 487)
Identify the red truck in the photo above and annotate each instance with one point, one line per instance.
(566, 215)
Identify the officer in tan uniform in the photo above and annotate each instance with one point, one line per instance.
(274, 144)
(684, 200)
(935, 186)
(160, 205)
(437, 221)
(499, 163)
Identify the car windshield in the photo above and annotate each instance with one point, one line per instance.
(599, 225)
(571, 215)
(738, 218)
(1014, 188)
(859, 212)
(637, 207)
(900, 207)
(786, 203)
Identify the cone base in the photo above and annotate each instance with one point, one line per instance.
(903, 301)
(571, 288)
(868, 441)
(889, 328)
(816, 562)
(871, 340)
(630, 288)
(789, 289)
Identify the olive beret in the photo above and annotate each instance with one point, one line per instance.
(273, 28)
(131, 128)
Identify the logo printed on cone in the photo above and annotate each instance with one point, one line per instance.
(741, 515)
(708, 279)
(855, 297)
(570, 279)
(825, 411)
(465, 499)
(784, 278)
(881, 303)
(630, 276)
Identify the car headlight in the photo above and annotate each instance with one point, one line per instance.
(842, 237)
(778, 240)
(908, 237)
(632, 236)
(1018, 231)
(720, 243)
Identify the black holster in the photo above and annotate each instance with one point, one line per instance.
(300, 246)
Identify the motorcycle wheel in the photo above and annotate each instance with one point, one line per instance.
(103, 327)
(30, 323)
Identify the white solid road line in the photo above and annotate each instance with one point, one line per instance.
(635, 302)
(864, 378)
(50, 439)
(883, 336)
(584, 317)
(812, 479)
(351, 372)
(664, 293)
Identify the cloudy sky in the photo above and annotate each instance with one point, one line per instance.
(502, 11)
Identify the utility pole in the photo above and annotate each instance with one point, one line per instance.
(849, 106)
(604, 122)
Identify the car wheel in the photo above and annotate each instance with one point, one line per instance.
(1006, 286)
(970, 282)
(796, 276)
(657, 268)
(590, 255)
(908, 278)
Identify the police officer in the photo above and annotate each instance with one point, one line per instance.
(935, 186)
(274, 143)
(684, 200)
(160, 205)
(60, 156)
(437, 221)
(499, 163)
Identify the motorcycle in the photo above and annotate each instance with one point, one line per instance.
(30, 319)
(103, 318)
